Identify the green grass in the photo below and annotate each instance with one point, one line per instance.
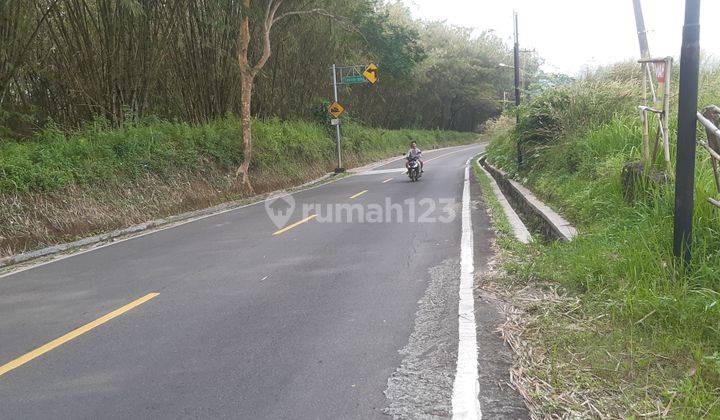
(52, 159)
(657, 341)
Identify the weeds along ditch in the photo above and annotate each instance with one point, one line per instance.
(659, 323)
(57, 186)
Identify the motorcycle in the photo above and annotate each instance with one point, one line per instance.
(414, 169)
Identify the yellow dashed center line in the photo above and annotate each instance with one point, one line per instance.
(388, 180)
(72, 334)
(294, 225)
(443, 155)
(359, 194)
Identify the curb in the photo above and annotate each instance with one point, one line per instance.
(549, 221)
(146, 226)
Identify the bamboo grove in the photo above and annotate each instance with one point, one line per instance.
(68, 62)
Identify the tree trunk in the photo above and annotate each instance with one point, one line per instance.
(245, 100)
(248, 72)
(247, 76)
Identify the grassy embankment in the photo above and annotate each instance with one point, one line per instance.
(56, 187)
(632, 332)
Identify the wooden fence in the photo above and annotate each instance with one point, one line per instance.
(710, 119)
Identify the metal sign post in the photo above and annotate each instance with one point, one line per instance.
(339, 168)
(349, 75)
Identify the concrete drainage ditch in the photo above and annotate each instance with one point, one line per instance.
(538, 216)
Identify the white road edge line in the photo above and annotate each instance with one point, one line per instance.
(466, 387)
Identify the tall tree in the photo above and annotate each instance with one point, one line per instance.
(262, 24)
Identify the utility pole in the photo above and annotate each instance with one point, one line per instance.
(516, 59)
(339, 168)
(687, 123)
(641, 32)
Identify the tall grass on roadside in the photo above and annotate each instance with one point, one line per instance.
(659, 323)
(97, 154)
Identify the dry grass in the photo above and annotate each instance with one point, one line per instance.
(32, 220)
(523, 307)
(557, 350)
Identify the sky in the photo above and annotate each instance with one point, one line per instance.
(572, 35)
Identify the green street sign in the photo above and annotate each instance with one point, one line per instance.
(353, 80)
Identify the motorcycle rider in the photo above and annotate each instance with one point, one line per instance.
(415, 153)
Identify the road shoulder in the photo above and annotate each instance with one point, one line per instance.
(422, 385)
(498, 398)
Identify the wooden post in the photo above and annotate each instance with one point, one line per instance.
(666, 112)
(646, 139)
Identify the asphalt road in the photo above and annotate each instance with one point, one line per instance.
(248, 322)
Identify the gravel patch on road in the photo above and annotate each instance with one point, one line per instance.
(422, 386)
